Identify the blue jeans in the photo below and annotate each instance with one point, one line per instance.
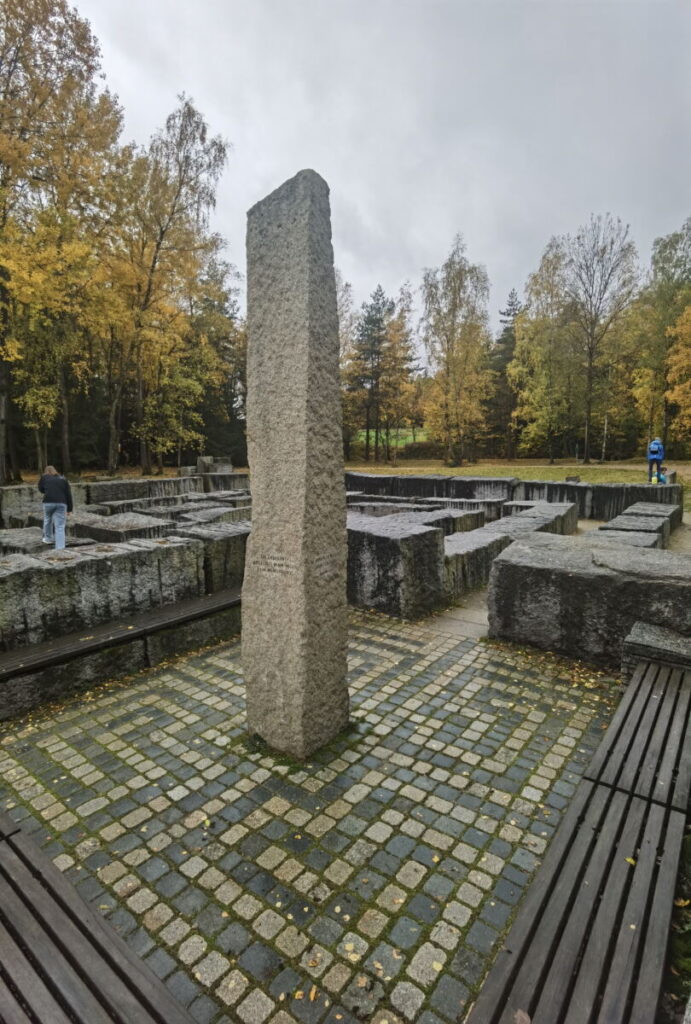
(54, 517)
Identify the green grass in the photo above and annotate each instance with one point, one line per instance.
(400, 440)
(533, 469)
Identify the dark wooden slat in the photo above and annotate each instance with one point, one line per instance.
(603, 883)
(14, 965)
(149, 999)
(10, 1010)
(488, 1005)
(57, 652)
(56, 969)
(656, 773)
(641, 751)
(624, 757)
(624, 965)
(679, 799)
(650, 973)
(634, 696)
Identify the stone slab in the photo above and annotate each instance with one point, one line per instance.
(648, 508)
(649, 642)
(630, 537)
(224, 553)
(141, 487)
(468, 559)
(640, 524)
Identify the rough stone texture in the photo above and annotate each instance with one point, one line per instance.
(492, 507)
(394, 567)
(167, 502)
(144, 487)
(447, 520)
(558, 491)
(610, 500)
(294, 594)
(384, 508)
(225, 481)
(630, 537)
(121, 527)
(582, 601)
(468, 559)
(220, 514)
(28, 541)
(639, 524)
(647, 642)
(648, 508)
(224, 553)
(65, 591)
(482, 487)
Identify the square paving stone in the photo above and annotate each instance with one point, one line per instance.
(450, 998)
(261, 962)
(233, 939)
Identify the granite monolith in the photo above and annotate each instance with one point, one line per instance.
(294, 592)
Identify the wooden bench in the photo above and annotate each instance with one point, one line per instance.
(60, 963)
(588, 944)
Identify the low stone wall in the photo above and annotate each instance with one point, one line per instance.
(141, 487)
(23, 693)
(61, 592)
(582, 600)
(674, 513)
(594, 501)
(468, 560)
(225, 482)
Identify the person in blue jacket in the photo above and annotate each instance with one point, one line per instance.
(57, 502)
(656, 453)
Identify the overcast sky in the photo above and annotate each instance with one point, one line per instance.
(506, 120)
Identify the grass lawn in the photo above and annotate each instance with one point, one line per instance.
(630, 472)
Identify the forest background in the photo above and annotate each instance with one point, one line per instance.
(122, 341)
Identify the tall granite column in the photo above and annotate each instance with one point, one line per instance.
(294, 593)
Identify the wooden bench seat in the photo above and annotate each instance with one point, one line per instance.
(646, 747)
(60, 963)
(588, 945)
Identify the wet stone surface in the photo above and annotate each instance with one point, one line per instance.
(374, 882)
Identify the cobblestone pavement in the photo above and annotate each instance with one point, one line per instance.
(372, 884)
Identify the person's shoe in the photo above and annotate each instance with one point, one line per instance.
(46, 541)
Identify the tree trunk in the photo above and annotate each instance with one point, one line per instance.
(4, 404)
(588, 410)
(14, 470)
(41, 449)
(604, 439)
(65, 423)
(367, 430)
(113, 435)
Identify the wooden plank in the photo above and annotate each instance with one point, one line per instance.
(56, 969)
(592, 972)
(592, 922)
(649, 980)
(681, 793)
(632, 701)
(132, 985)
(655, 779)
(640, 752)
(10, 1010)
(16, 968)
(615, 1006)
(633, 737)
(488, 1006)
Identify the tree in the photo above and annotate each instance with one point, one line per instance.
(456, 338)
(501, 404)
(545, 369)
(680, 369)
(601, 276)
(396, 388)
(48, 64)
(368, 362)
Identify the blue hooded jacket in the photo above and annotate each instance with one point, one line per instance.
(656, 451)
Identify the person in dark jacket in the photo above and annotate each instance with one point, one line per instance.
(57, 502)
